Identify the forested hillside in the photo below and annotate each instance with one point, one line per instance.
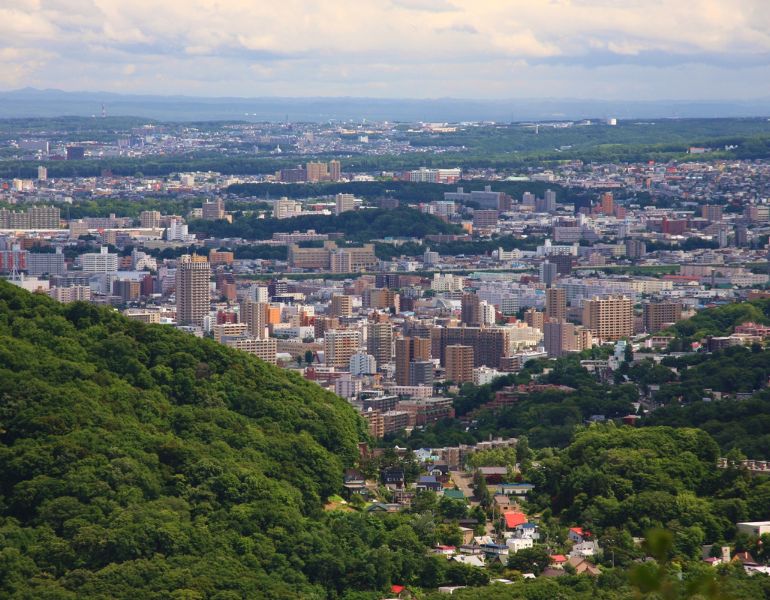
(137, 461)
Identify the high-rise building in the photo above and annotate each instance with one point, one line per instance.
(362, 363)
(335, 170)
(548, 272)
(193, 299)
(341, 306)
(609, 318)
(42, 263)
(126, 289)
(421, 373)
(556, 304)
(379, 342)
(317, 171)
(213, 210)
(254, 316)
(344, 203)
(459, 363)
(635, 248)
(149, 219)
(657, 315)
(607, 203)
(534, 318)
(76, 152)
(42, 173)
(470, 312)
(382, 298)
(711, 212)
(485, 219)
(560, 337)
(265, 349)
(99, 262)
(339, 346)
(408, 350)
(489, 344)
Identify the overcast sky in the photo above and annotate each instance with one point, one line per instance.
(613, 49)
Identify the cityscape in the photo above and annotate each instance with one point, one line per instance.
(347, 353)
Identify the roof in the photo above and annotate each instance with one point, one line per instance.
(454, 494)
(558, 558)
(397, 589)
(514, 519)
(576, 530)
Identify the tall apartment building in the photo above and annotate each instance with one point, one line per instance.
(71, 294)
(340, 345)
(126, 289)
(534, 318)
(711, 212)
(149, 219)
(656, 315)
(470, 311)
(286, 208)
(379, 342)
(255, 316)
(344, 203)
(408, 350)
(42, 173)
(381, 299)
(485, 219)
(223, 330)
(214, 210)
(99, 262)
(560, 337)
(556, 304)
(335, 170)
(459, 363)
(42, 263)
(193, 300)
(489, 344)
(316, 171)
(607, 203)
(609, 318)
(341, 306)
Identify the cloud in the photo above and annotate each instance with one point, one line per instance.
(417, 48)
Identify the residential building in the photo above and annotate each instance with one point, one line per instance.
(339, 346)
(193, 297)
(610, 318)
(459, 363)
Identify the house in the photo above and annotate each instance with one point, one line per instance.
(454, 494)
(512, 520)
(444, 550)
(514, 489)
(474, 560)
(428, 483)
(577, 535)
(502, 502)
(558, 561)
(494, 475)
(440, 472)
(585, 549)
(382, 507)
(583, 567)
(495, 550)
(355, 483)
(516, 544)
(527, 531)
(450, 589)
(393, 477)
(467, 534)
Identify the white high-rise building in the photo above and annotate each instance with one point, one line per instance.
(99, 262)
(362, 363)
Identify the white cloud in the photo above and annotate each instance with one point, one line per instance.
(402, 47)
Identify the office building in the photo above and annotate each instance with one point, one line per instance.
(556, 304)
(610, 318)
(193, 300)
(459, 363)
(656, 316)
(316, 171)
(127, 290)
(42, 263)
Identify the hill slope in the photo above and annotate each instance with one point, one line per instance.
(137, 461)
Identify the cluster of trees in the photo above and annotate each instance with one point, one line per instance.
(136, 460)
(359, 226)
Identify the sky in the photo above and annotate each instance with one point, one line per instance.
(600, 49)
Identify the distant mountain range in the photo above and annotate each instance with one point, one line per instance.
(30, 102)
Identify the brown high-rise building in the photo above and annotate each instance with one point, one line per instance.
(489, 343)
(335, 170)
(470, 309)
(408, 350)
(339, 346)
(193, 301)
(560, 337)
(213, 210)
(556, 304)
(658, 314)
(379, 342)
(341, 306)
(317, 171)
(255, 316)
(608, 203)
(382, 298)
(534, 318)
(459, 363)
(610, 318)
